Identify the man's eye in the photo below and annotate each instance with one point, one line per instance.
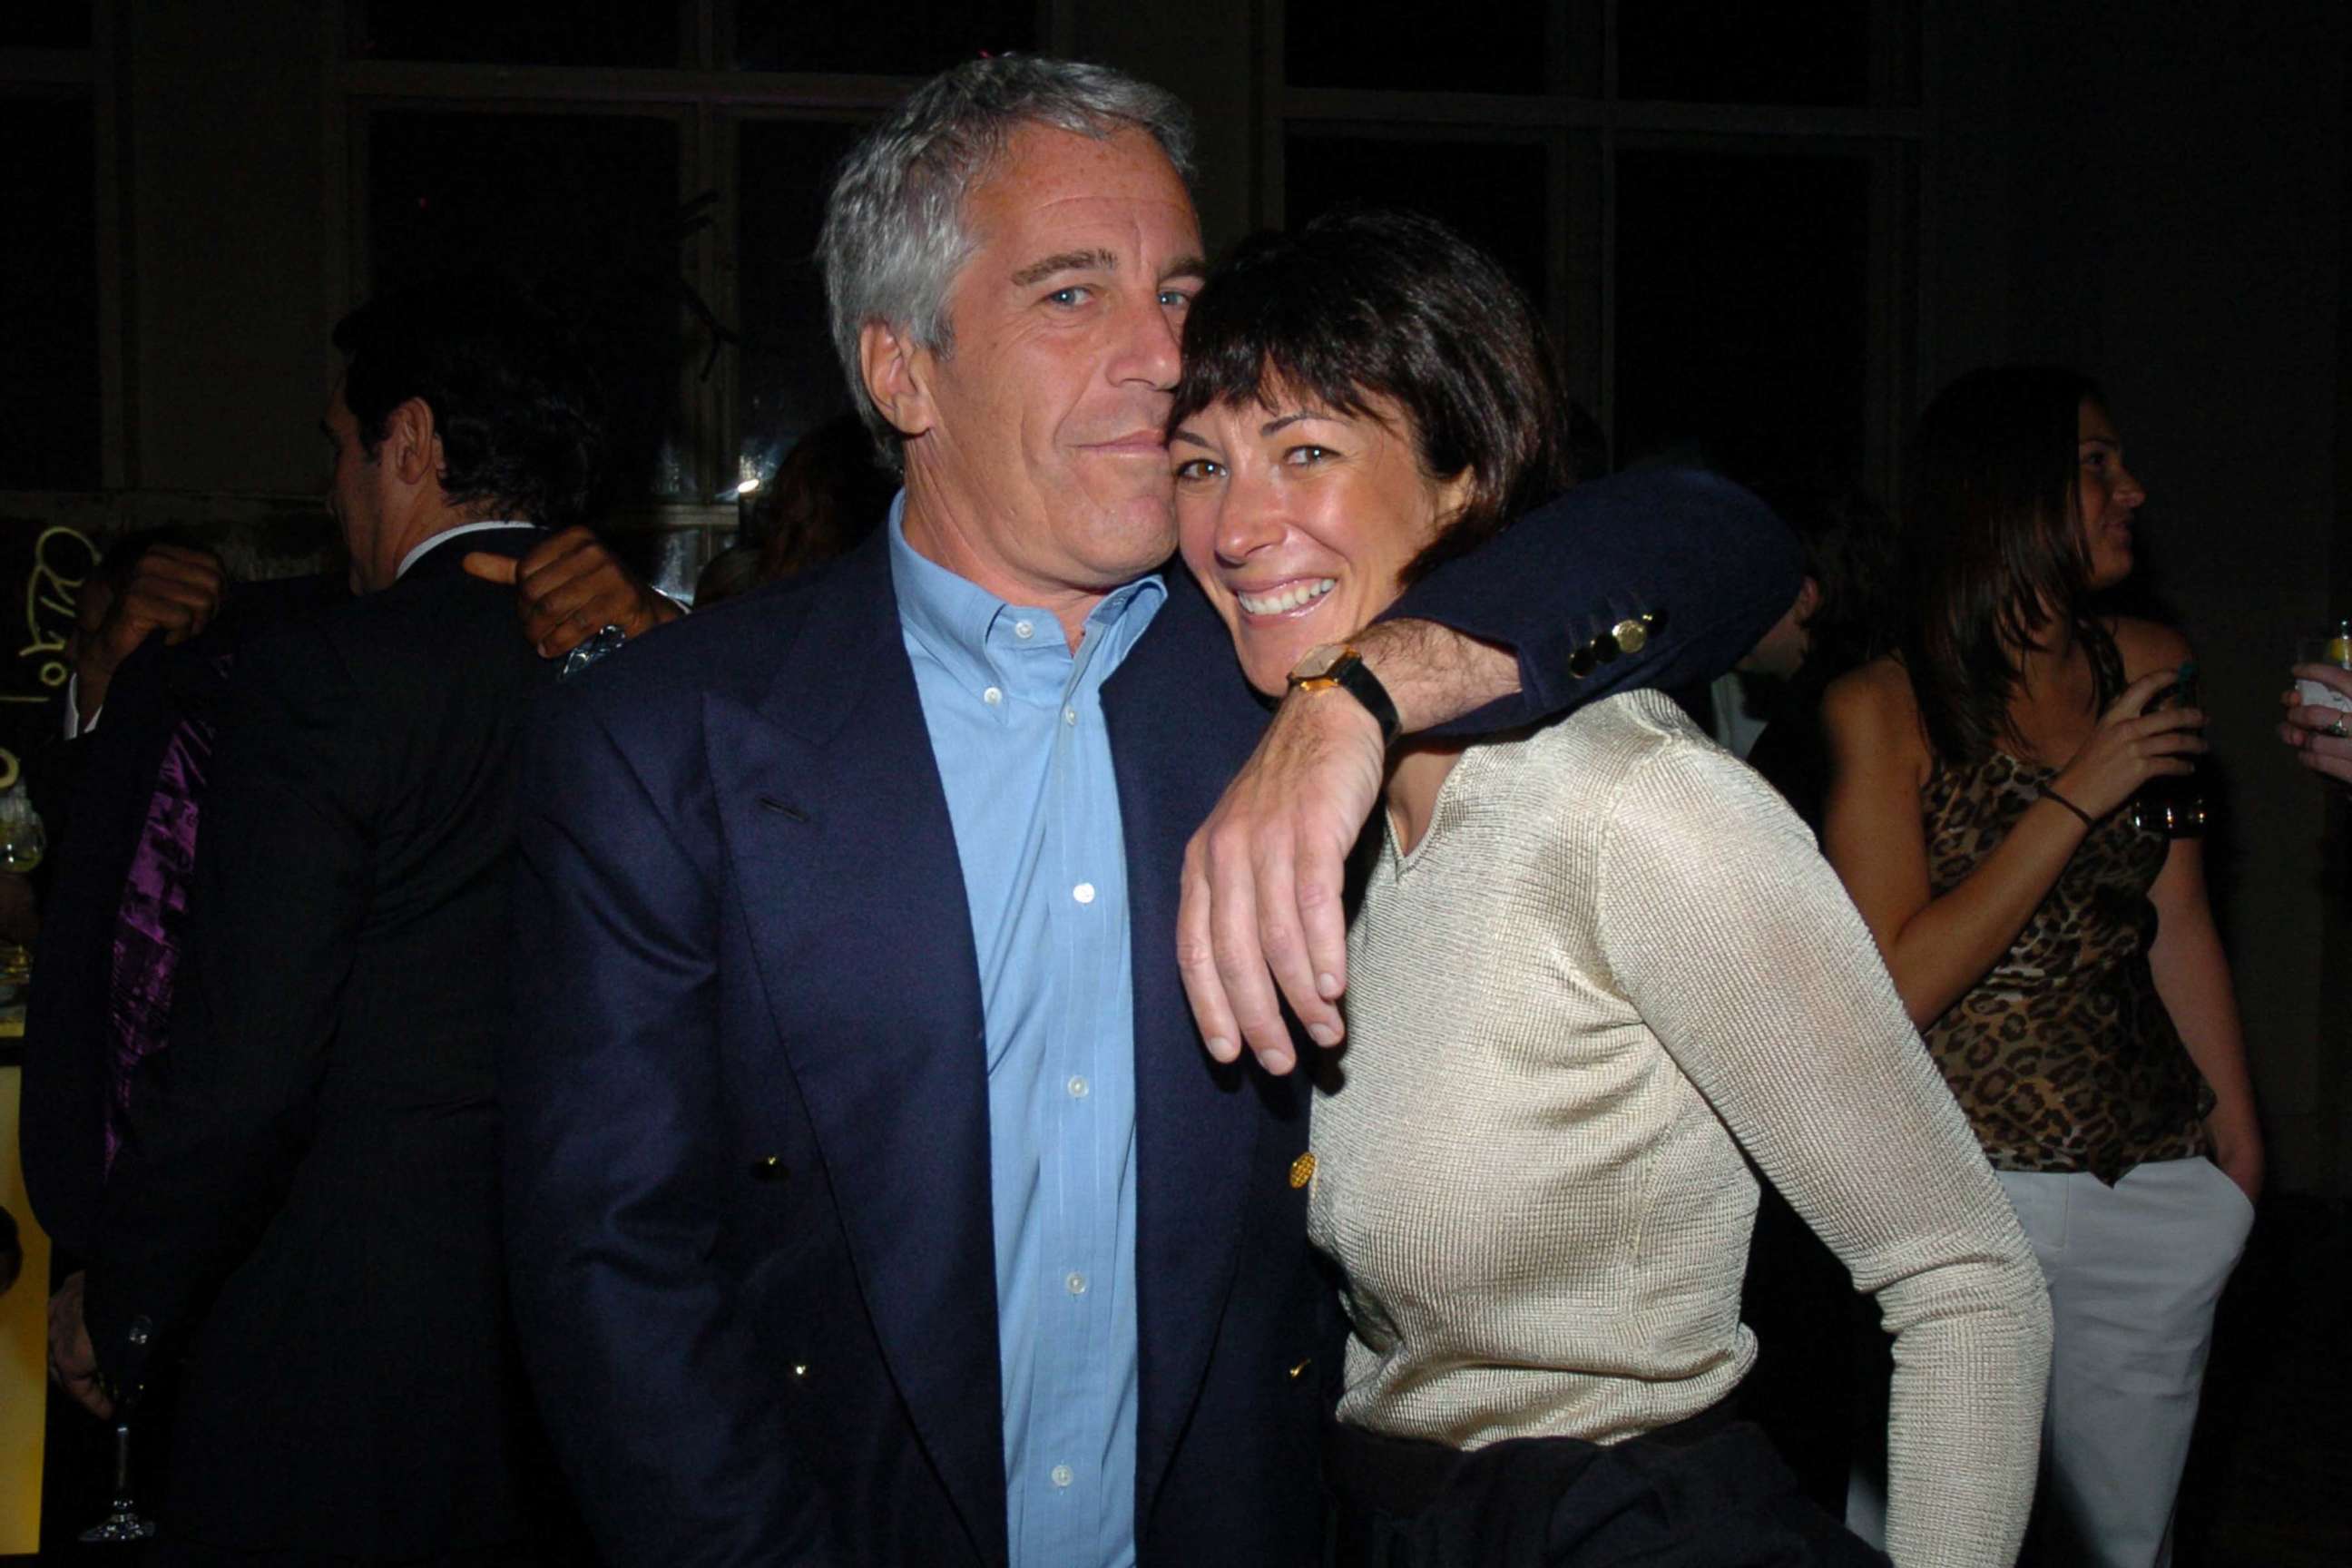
(1175, 300)
(1073, 295)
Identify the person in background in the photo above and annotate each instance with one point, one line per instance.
(2061, 960)
(824, 498)
(1838, 621)
(300, 1228)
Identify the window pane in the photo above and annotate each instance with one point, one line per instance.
(788, 380)
(906, 37)
(519, 32)
(1742, 307)
(1493, 192)
(48, 296)
(581, 210)
(1412, 46)
(1702, 51)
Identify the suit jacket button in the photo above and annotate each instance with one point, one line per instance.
(1630, 635)
(1580, 662)
(768, 1168)
(140, 1330)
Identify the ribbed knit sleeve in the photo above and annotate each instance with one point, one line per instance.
(1742, 952)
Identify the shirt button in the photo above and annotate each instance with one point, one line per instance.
(1023, 630)
(1076, 1283)
(1084, 892)
(1061, 1476)
(1070, 715)
(1079, 1086)
(993, 695)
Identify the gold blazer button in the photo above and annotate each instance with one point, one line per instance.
(1302, 1171)
(1630, 634)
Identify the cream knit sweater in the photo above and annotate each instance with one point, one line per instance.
(1615, 961)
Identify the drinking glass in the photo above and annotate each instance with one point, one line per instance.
(2173, 806)
(2330, 647)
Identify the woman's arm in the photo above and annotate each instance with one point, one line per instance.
(1871, 832)
(1726, 930)
(2192, 977)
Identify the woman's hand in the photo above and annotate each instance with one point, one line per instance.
(2318, 733)
(2132, 746)
(2238, 1145)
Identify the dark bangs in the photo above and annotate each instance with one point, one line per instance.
(1365, 304)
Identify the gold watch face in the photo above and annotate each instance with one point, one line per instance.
(1319, 663)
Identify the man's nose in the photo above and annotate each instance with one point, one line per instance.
(1151, 346)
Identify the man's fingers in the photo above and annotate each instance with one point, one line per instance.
(1323, 914)
(1282, 945)
(491, 567)
(1197, 962)
(1304, 934)
(1236, 946)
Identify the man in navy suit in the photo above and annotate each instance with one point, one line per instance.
(872, 1198)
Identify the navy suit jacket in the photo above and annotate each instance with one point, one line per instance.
(746, 1137)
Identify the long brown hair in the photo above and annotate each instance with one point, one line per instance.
(1992, 554)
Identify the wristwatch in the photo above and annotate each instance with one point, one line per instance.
(1340, 665)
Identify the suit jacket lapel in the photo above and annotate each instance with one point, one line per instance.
(845, 860)
(1175, 745)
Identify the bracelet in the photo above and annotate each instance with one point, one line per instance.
(2049, 794)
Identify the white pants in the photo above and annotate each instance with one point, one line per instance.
(2134, 1271)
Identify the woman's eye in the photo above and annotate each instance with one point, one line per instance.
(1305, 456)
(1197, 468)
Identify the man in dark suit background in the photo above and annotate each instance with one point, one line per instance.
(871, 1196)
(301, 1226)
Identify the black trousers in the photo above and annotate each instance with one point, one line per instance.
(1708, 1492)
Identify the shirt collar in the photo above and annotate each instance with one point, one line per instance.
(973, 633)
(417, 552)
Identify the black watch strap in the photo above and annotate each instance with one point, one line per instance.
(1349, 672)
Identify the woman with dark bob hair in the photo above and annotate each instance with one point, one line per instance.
(2060, 956)
(1592, 967)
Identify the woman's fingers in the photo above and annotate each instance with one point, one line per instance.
(2132, 702)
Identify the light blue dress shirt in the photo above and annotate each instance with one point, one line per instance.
(1016, 724)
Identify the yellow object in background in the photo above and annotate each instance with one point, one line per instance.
(24, 1349)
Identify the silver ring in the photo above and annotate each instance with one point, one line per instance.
(2338, 731)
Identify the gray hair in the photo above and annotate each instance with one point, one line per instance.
(895, 235)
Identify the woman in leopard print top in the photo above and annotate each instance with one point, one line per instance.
(2060, 962)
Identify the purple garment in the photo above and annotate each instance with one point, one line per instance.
(149, 920)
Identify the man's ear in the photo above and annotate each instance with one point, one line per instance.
(1809, 599)
(411, 448)
(897, 375)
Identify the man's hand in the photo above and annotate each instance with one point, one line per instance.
(72, 1363)
(1262, 882)
(569, 587)
(175, 589)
